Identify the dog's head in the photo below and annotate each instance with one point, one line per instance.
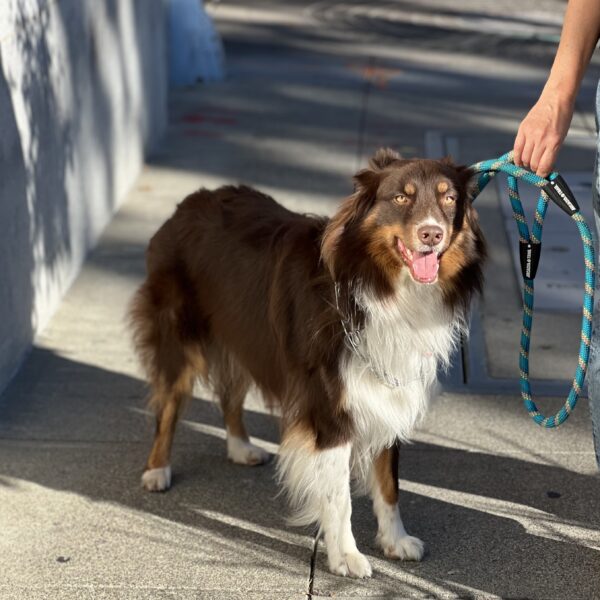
(413, 214)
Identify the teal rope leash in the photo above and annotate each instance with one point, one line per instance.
(555, 188)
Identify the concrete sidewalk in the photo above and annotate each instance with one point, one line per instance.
(506, 509)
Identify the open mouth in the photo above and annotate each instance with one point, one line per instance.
(424, 266)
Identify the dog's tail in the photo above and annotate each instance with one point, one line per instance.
(170, 356)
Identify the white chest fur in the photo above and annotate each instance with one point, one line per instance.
(407, 337)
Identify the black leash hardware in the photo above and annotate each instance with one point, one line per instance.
(529, 254)
(561, 195)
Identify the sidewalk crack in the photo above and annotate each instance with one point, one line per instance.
(313, 562)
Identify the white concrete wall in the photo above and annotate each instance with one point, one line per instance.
(83, 96)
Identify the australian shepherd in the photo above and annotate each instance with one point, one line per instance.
(342, 323)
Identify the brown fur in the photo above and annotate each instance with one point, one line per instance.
(240, 290)
(385, 467)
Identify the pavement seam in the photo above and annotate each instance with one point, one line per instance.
(313, 566)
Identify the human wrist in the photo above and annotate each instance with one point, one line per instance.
(561, 94)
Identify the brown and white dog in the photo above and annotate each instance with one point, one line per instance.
(341, 323)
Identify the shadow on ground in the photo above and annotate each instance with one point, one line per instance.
(488, 520)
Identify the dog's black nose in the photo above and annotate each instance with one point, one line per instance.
(430, 235)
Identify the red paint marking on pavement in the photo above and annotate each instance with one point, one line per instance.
(379, 76)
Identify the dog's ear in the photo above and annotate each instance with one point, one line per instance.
(466, 180)
(350, 214)
(366, 184)
(367, 180)
(383, 158)
(463, 171)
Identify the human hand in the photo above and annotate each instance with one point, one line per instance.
(542, 133)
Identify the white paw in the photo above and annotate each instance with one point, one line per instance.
(157, 480)
(358, 565)
(242, 452)
(406, 547)
(354, 564)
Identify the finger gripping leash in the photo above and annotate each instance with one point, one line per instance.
(554, 188)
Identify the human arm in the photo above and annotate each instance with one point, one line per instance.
(545, 127)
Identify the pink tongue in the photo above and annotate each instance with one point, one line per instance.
(425, 266)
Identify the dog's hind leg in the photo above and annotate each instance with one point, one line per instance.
(172, 360)
(167, 400)
(232, 386)
(392, 536)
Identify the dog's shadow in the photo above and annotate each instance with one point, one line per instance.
(492, 524)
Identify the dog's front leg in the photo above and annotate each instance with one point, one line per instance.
(336, 509)
(392, 536)
(318, 482)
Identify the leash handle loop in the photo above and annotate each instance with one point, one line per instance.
(556, 189)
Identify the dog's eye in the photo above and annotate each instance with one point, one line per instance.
(449, 199)
(401, 199)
